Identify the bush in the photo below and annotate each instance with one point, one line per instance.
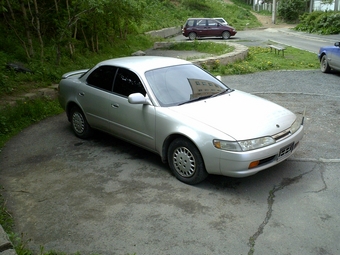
(320, 22)
(291, 10)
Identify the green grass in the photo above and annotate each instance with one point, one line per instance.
(262, 59)
(47, 73)
(24, 113)
(204, 47)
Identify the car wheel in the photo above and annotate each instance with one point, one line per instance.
(225, 35)
(186, 161)
(324, 66)
(79, 124)
(192, 36)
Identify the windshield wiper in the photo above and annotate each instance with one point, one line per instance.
(194, 100)
(222, 92)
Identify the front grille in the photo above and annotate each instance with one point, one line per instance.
(282, 135)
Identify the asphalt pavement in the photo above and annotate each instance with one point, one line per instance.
(105, 196)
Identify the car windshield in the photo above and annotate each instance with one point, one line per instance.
(176, 85)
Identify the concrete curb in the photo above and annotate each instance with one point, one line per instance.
(165, 32)
(239, 53)
(6, 246)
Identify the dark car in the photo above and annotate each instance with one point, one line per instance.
(206, 27)
(329, 57)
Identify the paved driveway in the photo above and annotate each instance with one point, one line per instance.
(104, 196)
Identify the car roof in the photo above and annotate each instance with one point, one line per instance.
(199, 18)
(143, 63)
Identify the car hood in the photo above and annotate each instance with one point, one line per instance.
(239, 115)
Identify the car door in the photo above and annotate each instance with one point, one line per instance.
(213, 28)
(133, 122)
(335, 56)
(201, 27)
(94, 97)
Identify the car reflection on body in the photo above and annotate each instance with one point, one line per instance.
(197, 124)
(329, 57)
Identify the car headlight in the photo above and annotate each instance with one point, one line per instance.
(227, 145)
(246, 145)
(296, 125)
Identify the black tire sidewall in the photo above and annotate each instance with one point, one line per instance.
(323, 62)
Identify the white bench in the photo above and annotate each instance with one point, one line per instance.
(277, 48)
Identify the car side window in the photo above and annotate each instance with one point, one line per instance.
(201, 23)
(102, 77)
(127, 82)
(190, 23)
(212, 23)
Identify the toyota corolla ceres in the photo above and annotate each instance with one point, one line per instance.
(174, 108)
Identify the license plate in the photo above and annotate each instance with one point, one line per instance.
(285, 152)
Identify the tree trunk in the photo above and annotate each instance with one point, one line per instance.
(28, 33)
(85, 38)
(11, 11)
(36, 25)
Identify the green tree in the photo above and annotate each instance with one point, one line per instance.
(290, 10)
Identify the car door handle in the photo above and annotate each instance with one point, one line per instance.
(115, 105)
(81, 94)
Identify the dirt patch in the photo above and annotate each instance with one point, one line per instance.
(267, 22)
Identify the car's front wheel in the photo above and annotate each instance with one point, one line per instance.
(186, 161)
(324, 66)
(192, 36)
(79, 123)
(226, 35)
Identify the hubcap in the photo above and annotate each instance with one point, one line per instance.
(78, 122)
(184, 162)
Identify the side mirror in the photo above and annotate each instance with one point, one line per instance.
(337, 44)
(138, 98)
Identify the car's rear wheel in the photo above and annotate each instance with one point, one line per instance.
(79, 123)
(192, 36)
(225, 35)
(324, 66)
(186, 161)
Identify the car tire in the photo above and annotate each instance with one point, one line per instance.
(192, 36)
(186, 161)
(225, 35)
(79, 124)
(324, 66)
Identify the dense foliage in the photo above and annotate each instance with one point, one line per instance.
(51, 37)
(320, 22)
(290, 10)
(53, 29)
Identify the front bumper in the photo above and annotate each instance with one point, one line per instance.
(236, 164)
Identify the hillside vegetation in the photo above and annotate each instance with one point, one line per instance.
(320, 22)
(52, 37)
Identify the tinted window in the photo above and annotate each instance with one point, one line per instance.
(201, 23)
(102, 77)
(127, 82)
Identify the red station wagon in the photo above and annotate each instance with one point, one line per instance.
(206, 27)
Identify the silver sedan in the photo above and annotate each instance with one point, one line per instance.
(197, 124)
